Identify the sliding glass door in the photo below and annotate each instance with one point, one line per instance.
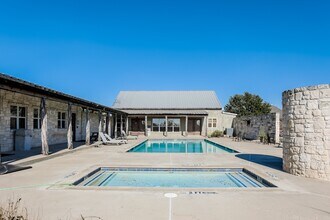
(158, 124)
(173, 125)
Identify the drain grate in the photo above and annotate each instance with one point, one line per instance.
(201, 193)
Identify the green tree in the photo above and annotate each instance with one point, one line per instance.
(247, 105)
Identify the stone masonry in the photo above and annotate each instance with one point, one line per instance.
(250, 127)
(55, 134)
(306, 131)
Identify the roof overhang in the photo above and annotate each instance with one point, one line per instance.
(17, 85)
(165, 112)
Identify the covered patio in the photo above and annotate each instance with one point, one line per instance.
(165, 122)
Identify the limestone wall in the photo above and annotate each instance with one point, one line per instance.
(306, 131)
(55, 134)
(251, 127)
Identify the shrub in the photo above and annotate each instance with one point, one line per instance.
(217, 133)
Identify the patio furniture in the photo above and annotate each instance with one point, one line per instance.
(94, 136)
(106, 141)
(130, 137)
(110, 139)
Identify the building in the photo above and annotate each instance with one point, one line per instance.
(167, 112)
(35, 116)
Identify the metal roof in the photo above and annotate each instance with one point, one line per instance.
(10, 83)
(167, 100)
(164, 112)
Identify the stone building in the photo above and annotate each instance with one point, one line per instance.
(172, 112)
(26, 110)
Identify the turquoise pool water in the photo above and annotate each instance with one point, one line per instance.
(180, 146)
(173, 178)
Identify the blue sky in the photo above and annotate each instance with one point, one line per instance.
(94, 49)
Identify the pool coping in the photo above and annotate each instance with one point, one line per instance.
(204, 139)
(69, 182)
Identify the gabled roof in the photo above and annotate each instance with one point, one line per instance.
(167, 100)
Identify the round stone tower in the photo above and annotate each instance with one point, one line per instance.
(306, 131)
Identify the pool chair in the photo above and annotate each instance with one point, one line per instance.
(111, 139)
(129, 137)
(107, 141)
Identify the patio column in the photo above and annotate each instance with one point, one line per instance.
(44, 122)
(205, 125)
(108, 125)
(146, 125)
(121, 124)
(127, 125)
(116, 125)
(166, 123)
(69, 132)
(100, 125)
(88, 128)
(186, 125)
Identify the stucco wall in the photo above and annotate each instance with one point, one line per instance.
(55, 135)
(306, 131)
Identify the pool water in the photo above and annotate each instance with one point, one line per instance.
(180, 146)
(184, 178)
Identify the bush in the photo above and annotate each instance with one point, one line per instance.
(217, 133)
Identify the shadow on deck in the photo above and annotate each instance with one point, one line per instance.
(265, 160)
(20, 155)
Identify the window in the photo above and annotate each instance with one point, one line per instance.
(212, 123)
(17, 117)
(36, 119)
(158, 124)
(61, 120)
(209, 124)
(173, 124)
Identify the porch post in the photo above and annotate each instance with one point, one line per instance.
(44, 133)
(69, 132)
(205, 124)
(127, 125)
(109, 124)
(146, 125)
(100, 125)
(116, 125)
(166, 123)
(88, 128)
(186, 125)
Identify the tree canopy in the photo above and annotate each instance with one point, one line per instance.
(247, 105)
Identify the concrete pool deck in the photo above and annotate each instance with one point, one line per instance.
(43, 195)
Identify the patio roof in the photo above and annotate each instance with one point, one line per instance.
(17, 85)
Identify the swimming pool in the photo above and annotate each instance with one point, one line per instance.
(180, 146)
(173, 178)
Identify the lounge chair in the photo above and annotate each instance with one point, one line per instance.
(130, 137)
(110, 141)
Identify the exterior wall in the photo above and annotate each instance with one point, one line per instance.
(55, 135)
(224, 120)
(249, 127)
(214, 114)
(306, 131)
(227, 120)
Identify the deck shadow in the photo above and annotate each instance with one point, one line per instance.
(19, 155)
(265, 160)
